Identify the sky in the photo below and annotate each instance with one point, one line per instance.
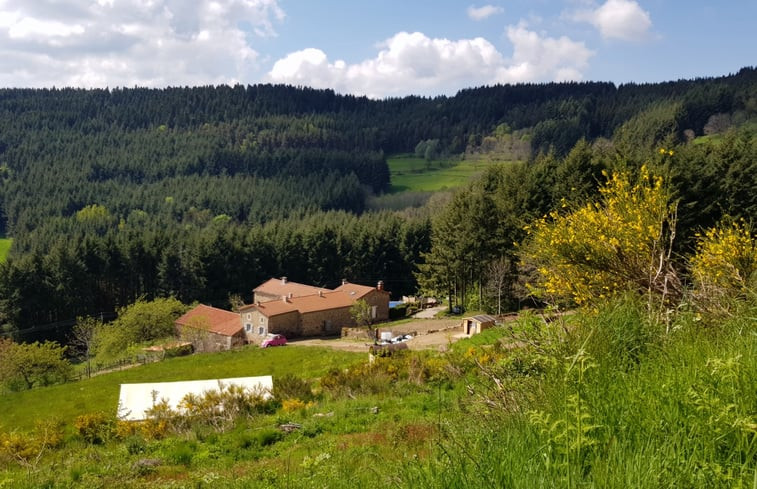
(388, 48)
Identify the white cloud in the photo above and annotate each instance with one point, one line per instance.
(481, 13)
(537, 58)
(619, 19)
(131, 42)
(414, 63)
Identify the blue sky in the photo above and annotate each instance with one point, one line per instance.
(379, 49)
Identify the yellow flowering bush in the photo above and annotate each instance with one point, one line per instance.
(620, 242)
(724, 268)
(293, 405)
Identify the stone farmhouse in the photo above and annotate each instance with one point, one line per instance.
(275, 288)
(210, 329)
(282, 307)
(300, 310)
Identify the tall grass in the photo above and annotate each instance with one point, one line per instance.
(604, 399)
(631, 406)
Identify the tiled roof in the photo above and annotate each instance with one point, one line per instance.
(324, 301)
(276, 286)
(271, 308)
(355, 290)
(484, 318)
(212, 319)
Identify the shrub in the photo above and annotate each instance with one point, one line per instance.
(290, 386)
(268, 436)
(95, 428)
(292, 405)
(27, 448)
(724, 268)
(399, 311)
(181, 453)
(135, 445)
(602, 249)
(363, 378)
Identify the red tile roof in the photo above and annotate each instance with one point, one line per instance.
(212, 319)
(324, 301)
(357, 291)
(279, 287)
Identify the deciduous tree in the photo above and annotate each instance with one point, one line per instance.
(26, 365)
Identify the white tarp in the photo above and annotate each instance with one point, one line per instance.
(135, 399)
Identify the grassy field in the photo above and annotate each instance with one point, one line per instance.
(65, 402)
(608, 399)
(5, 246)
(716, 139)
(409, 173)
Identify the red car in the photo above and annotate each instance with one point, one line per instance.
(273, 340)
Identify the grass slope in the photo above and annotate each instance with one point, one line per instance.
(21, 410)
(5, 246)
(409, 173)
(607, 399)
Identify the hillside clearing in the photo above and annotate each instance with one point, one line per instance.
(409, 173)
(5, 246)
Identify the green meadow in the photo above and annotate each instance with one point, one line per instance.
(409, 173)
(5, 246)
(610, 398)
(100, 393)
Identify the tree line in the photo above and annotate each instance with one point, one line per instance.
(113, 195)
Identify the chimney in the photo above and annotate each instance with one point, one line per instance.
(284, 298)
(320, 293)
(258, 303)
(380, 285)
(289, 295)
(344, 281)
(283, 280)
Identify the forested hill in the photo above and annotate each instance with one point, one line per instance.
(201, 192)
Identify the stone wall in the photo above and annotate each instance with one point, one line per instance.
(326, 322)
(379, 299)
(287, 324)
(360, 333)
(204, 341)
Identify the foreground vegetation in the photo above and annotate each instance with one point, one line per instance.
(606, 398)
(100, 393)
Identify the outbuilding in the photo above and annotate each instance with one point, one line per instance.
(476, 324)
(211, 329)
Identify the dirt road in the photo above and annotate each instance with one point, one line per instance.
(427, 334)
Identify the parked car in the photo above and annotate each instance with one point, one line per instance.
(273, 340)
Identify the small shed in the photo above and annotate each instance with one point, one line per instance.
(476, 324)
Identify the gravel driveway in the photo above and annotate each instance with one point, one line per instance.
(428, 334)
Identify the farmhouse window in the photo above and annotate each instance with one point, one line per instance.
(249, 316)
(261, 330)
(248, 327)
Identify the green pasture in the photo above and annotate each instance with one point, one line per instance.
(409, 173)
(100, 393)
(5, 246)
